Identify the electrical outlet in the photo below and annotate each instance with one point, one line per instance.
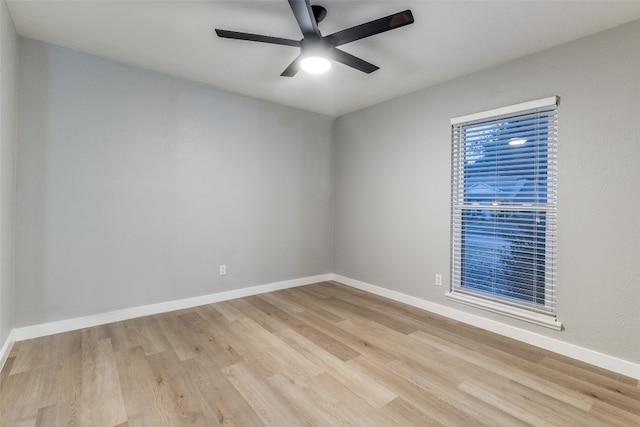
(438, 279)
(223, 269)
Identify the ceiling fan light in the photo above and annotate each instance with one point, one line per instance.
(315, 64)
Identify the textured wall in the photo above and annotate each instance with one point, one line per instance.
(134, 187)
(8, 80)
(393, 185)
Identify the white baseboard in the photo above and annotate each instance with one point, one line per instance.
(51, 328)
(586, 355)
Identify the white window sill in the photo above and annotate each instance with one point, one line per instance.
(548, 321)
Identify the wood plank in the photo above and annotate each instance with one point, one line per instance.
(20, 397)
(283, 301)
(376, 341)
(272, 351)
(428, 378)
(422, 398)
(226, 403)
(102, 401)
(182, 396)
(305, 329)
(60, 414)
(312, 408)
(266, 320)
(615, 415)
(348, 405)
(33, 354)
(62, 388)
(403, 413)
(179, 335)
(522, 374)
(227, 335)
(318, 307)
(145, 405)
(596, 390)
(370, 391)
(4, 374)
(214, 345)
(228, 311)
(263, 399)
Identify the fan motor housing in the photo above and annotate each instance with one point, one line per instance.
(319, 12)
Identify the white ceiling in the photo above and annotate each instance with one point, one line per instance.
(448, 39)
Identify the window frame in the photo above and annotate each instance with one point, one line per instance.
(540, 314)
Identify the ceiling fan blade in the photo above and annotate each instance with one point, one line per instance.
(304, 15)
(352, 61)
(371, 28)
(292, 69)
(256, 38)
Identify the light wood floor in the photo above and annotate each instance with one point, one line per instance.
(321, 355)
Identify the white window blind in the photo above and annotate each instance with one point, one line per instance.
(503, 208)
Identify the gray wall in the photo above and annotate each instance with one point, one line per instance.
(392, 185)
(8, 80)
(133, 187)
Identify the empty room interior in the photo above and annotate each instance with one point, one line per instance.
(197, 229)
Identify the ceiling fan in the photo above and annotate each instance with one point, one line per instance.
(316, 49)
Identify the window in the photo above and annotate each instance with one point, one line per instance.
(503, 211)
